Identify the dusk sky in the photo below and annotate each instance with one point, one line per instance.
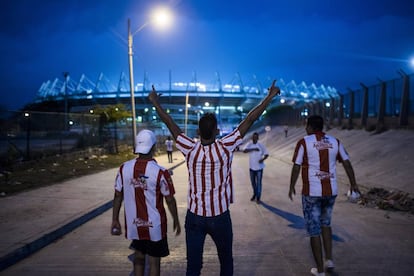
(334, 43)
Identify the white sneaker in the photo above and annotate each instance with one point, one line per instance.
(314, 271)
(329, 264)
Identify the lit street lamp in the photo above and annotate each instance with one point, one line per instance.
(161, 18)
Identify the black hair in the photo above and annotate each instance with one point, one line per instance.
(315, 122)
(207, 125)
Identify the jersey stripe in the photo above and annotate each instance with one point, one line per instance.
(324, 167)
(317, 155)
(141, 209)
(144, 184)
(209, 169)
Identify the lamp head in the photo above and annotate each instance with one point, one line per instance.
(161, 17)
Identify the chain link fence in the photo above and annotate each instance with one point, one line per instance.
(386, 105)
(34, 135)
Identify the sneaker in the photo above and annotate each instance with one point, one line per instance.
(253, 197)
(329, 265)
(314, 271)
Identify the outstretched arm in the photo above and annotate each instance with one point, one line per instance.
(250, 150)
(255, 113)
(165, 117)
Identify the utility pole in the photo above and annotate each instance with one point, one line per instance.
(66, 75)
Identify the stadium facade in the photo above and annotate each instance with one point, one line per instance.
(185, 101)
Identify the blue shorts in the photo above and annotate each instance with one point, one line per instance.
(151, 248)
(317, 212)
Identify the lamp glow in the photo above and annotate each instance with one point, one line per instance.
(161, 17)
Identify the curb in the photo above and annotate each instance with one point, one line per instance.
(30, 248)
(34, 246)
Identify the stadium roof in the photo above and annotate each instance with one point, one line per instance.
(292, 92)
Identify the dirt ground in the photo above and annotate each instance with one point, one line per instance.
(383, 163)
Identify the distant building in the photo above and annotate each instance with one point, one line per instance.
(185, 101)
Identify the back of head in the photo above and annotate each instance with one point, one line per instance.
(144, 141)
(207, 125)
(315, 122)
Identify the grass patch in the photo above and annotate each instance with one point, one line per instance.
(47, 171)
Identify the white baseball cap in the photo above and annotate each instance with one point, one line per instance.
(144, 141)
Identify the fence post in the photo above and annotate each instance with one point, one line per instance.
(351, 108)
(364, 112)
(381, 108)
(340, 110)
(405, 100)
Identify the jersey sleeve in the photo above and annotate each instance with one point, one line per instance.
(264, 150)
(342, 153)
(119, 182)
(299, 153)
(232, 140)
(184, 143)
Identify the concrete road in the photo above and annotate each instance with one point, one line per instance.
(269, 238)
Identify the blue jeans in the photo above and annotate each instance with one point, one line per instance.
(256, 180)
(169, 154)
(220, 229)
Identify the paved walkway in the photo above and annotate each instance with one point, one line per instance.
(269, 239)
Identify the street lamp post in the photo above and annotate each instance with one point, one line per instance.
(161, 17)
(131, 84)
(186, 113)
(66, 75)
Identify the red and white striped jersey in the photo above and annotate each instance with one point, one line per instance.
(317, 154)
(210, 190)
(144, 184)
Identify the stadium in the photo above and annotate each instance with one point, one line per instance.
(185, 101)
(67, 113)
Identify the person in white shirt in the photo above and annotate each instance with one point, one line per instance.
(169, 144)
(257, 155)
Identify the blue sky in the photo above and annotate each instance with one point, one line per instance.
(335, 43)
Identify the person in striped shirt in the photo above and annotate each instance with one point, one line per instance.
(317, 154)
(143, 185)
(210, 182)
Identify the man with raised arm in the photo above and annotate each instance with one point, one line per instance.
(210, 182)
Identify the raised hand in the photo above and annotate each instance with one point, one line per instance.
(274, 90)
(153, 96)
